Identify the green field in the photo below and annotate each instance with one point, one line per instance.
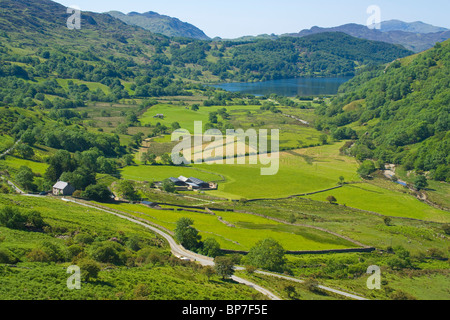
(5, 142)
(93, 86)
(184, 115)
(387, 202)
(292, 133)
(301, 171)
(16, 163)
(247, 230)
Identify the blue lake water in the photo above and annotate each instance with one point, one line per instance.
(288, 87)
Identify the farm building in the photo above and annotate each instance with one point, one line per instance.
(184, 184)
(159, 116)
(150, 204)
(184, 179)
(177, 182)
(62, 188)
(197, 182)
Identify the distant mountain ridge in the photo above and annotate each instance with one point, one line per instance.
(416, 42)
(414, 27)
(165, 25)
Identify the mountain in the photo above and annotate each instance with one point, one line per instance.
(403, 111)
(165, 25)
(318, 55)
(109, 51)
(411, 41)
(414, 27)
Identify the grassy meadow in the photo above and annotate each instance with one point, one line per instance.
(301, 171)
(245, 232)
(387, 202)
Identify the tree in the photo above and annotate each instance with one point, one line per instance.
(341, 180)
(128, 159)
(224, 266)
(267, 254)
(127, 190)
(168, 186)
(98, 193)
(387, 221)
(420, 182)
(80, 178)
(211, 248)
(148, 157)
(366, 168)
(213, 117)
(186, 234)
(25, 178)
(166, 159)
(323, 139)
(331, 199)
(175, 126)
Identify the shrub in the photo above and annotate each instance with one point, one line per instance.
(77, 194)
(89, 269)
(141, 291)
(12, 218)
(250, 269)
(312, 285)
(224, 266)
(436, 253)
(74, 250)
(150, 256)
(108, 252)
(7, 257)
(208, 271)
(446, 228)
(54, 252)
(331, 199)
(37, 255)
(83, 238)
(401, 295)
(34, 219)
(133, 243)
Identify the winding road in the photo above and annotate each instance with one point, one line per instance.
(180, 252)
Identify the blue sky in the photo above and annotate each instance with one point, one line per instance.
(235, 18)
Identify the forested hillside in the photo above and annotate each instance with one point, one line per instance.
(406, 108)
(35, 42)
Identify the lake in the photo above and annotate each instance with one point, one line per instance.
(288, 87)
